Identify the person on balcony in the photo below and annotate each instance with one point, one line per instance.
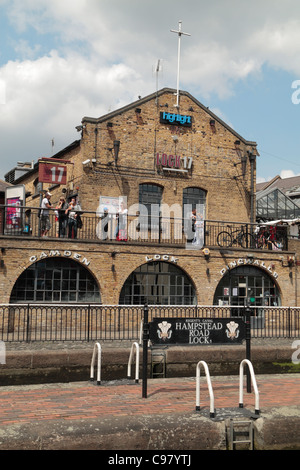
(73, 212)
(62, 217)
(121, 231)
(105, 217)
(45, 218)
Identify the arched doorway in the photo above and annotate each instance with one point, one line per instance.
(158, 283)
(247, 282)
(55, 280)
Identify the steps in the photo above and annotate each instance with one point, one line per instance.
(240, 432)
(158, 363)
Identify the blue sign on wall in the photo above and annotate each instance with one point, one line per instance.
(177, 119)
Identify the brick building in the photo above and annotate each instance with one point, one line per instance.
(161, 162)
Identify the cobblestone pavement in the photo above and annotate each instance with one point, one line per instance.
(81, 400)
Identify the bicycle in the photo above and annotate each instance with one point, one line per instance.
(239, 237)
(266, 239)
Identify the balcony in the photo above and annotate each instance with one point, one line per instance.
(26, 222)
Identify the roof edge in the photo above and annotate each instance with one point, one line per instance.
(156, 95)
(59, 154)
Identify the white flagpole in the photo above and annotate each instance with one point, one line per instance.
(180, 33)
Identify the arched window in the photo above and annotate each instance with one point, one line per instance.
(194, 198)
(158, 283)
(55, 280)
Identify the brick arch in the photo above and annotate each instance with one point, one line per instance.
(159, 282)
(56, 279)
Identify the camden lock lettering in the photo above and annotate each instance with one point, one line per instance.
(55, 253)
(197, 331)
(241, 261)
(170, 258)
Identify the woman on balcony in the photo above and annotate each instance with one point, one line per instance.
(73, 212)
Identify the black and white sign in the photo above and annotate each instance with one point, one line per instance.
(197, 331)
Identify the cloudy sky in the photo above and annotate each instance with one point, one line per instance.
(61, 60)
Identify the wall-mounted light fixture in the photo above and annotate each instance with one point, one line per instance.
(109, 124)
(116, 150)
(138, 110)
(2, 260)
(212, 124)
(113, 255)
(79, 128)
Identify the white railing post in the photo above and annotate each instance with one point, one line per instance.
(137, 349)
(141, 333)
(97, 349)
(211, 393)
(246, 361)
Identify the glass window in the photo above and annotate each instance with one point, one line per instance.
(196, 197)
(150, 196)
(158, 283)
(247, 282)
(55, 280)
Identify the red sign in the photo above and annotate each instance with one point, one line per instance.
(53, 173)
(168, 160)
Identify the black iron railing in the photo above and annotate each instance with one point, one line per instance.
(90, 322)
(27, 222)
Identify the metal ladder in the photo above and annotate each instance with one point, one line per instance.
(243, 429)
(158, 363)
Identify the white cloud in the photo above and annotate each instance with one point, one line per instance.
(102, 55)
(288, 174)
(48, 97)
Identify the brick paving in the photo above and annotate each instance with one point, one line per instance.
(86, 400)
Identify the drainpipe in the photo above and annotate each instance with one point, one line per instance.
(252, 161)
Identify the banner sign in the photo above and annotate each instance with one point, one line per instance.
(52, 173)
(176, 119)
(197, 331)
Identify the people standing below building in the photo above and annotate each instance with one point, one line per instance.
(72, 212)
(121, 232)
(62, 217)
(45, 217)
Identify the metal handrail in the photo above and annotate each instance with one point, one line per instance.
(246, 361)
(97, 348)
(140, 228)
(137, 357)
(210, 389)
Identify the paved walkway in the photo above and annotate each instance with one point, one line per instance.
(86, 400)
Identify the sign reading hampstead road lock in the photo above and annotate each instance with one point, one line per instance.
(197, 331)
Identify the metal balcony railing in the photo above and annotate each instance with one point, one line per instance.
(93, 322)
(22, 221)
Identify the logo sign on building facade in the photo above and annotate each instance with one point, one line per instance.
(52, 173)
(197, 331)
(175, 162)
(175, 119)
